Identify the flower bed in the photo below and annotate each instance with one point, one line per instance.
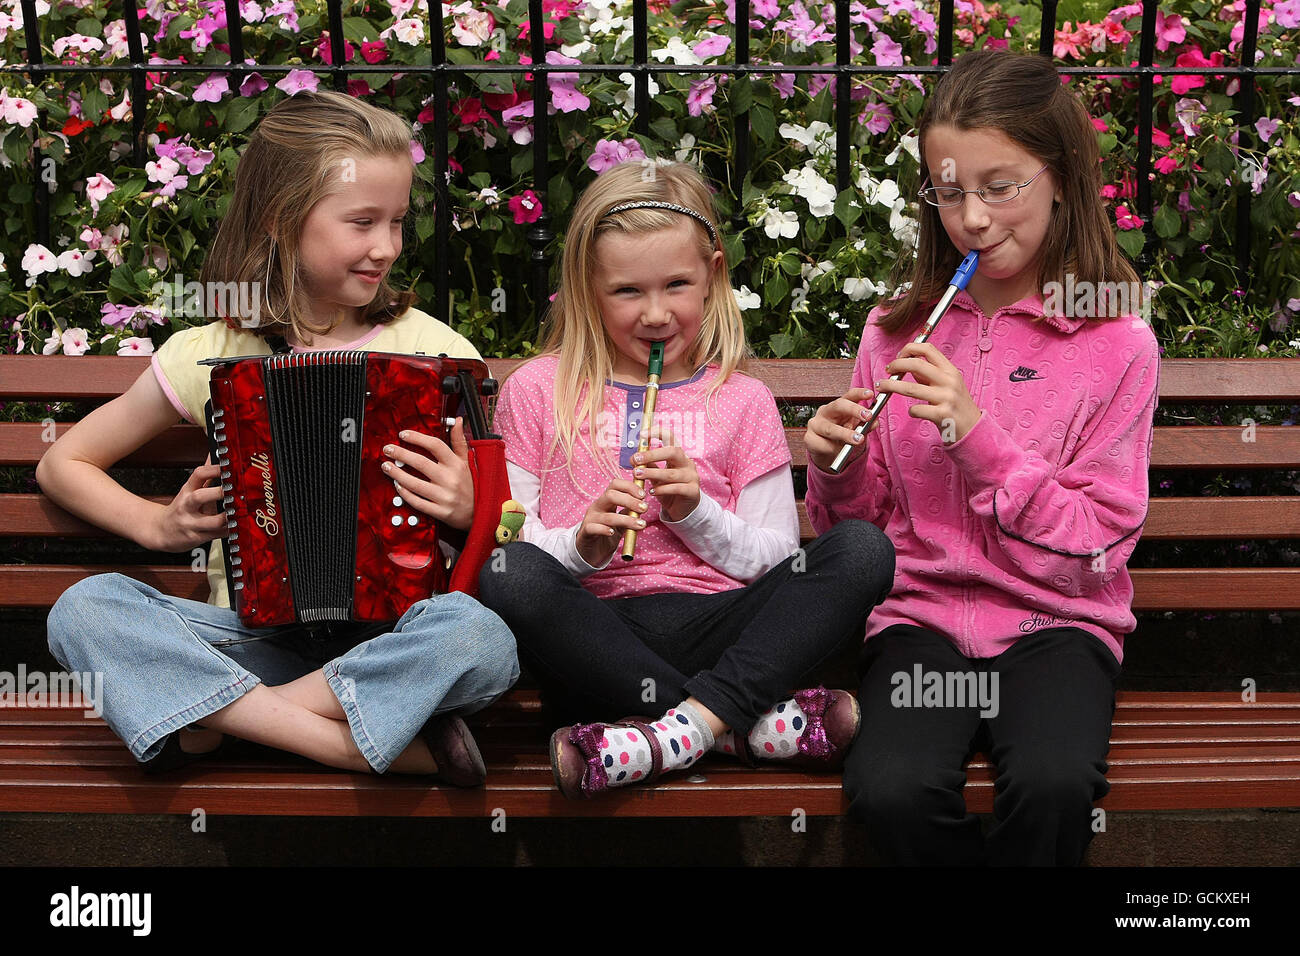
(812, 259)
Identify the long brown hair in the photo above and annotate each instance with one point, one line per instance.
(1022, 96)
(291, 162)
(576, 332)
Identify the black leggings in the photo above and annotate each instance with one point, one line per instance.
(747, 648)
(1048, 742)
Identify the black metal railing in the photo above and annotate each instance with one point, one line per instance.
(440, 73)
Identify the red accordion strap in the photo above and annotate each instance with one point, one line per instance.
(487, 465)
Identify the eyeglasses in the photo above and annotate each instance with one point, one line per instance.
(1004, 190)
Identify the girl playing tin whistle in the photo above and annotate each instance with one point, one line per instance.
(714, 615)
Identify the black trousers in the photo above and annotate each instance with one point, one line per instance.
(1048, 742)
(739, 652)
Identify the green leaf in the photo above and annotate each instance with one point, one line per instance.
(763, 122)
(1168, 223)
(847, 210)
(666, 130)
(1106, 142)
(560, 193)
(813, 228)
(358, 29)
(742, 95)
(121, 284)
(20, 193)
(781, 344)
(93, 104)
(424, 226)
(789, 263)
(129, 189)
(1131, 241)
(775, 289)
(89, 27)
(243, 112)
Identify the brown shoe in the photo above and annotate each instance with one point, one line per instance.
(575, 758)
(454, 750)
(834, 719)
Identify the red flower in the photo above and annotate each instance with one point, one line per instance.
(527, 208)
(357, 87)
(75, 125)
(426, 114)
(323, 48)
(373, 51)
(470, 110)
(503, 101)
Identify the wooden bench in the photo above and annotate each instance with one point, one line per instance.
(1169, 750)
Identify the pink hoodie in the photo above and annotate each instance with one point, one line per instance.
(1028, 520)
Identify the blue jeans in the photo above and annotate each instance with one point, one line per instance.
(168, 662)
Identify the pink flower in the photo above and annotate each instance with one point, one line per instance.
(98, 187)
(473, 28)
(297, 81)
(886, 51)
(609, 153)
(252, 85)
(75, 342)
(212, 89)
(784, 83)
(877, 117)
(417, 153)
(326, 51)
(518, 120)
(1109, 191)
(114, 315)
(1166, 165)
(1186, 111)
(711, 46)
(1193, 58)
(700, 98)
(1160, 138)
(1287, 13)
(1169, 30)
(527, 208)
(1125, 219)
(38, 259)
(565, 96)
(1100, 125)
(1266, 128)
(135, 346)
(374, 51)
(17, 110)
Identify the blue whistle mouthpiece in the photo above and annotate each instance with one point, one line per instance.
(966, 270)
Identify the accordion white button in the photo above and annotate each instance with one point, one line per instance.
(397, 501)
(397, 520)
(412, 521)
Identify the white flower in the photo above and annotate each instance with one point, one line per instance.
(76, 262)
(38, 259)
(162, 171)
(17, 110)
(684, 147)
(626, 98)
(77, 41)
(471, 27)
(808, 184)
(51, 345)
(811, 270)
(489, 195)
(75, 341)
(908, 142)
(575, 50)
(818, 138)
(679, 52)
(746, 299)
(858, 289)
(905, 229)
(778, 223)
(884, 192)
(410, 31)
(135, 345)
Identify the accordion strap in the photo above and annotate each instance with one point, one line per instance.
(487, 465)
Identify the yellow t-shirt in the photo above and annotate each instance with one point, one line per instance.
(185, 382)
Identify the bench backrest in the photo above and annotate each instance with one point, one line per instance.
(794, 382)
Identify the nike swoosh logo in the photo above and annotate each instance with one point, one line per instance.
(1029, 376)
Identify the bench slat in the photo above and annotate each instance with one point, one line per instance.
(798, 381)
(1169, 519)
(1155, 589)
(1184, 446)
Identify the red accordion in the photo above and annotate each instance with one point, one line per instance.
(317, 531)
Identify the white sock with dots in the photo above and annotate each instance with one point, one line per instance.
(682, 735)
(775, 735)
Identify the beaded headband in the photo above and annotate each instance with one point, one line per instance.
(671, 206)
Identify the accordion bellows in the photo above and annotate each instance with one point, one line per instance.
(316, 531)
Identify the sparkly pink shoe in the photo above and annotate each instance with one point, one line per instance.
(834, 719)
(575, 758)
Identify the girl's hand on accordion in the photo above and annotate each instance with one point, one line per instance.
(446, 490)
(194, 516)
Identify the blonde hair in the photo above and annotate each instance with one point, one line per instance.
(292, 161)
(577, 335)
